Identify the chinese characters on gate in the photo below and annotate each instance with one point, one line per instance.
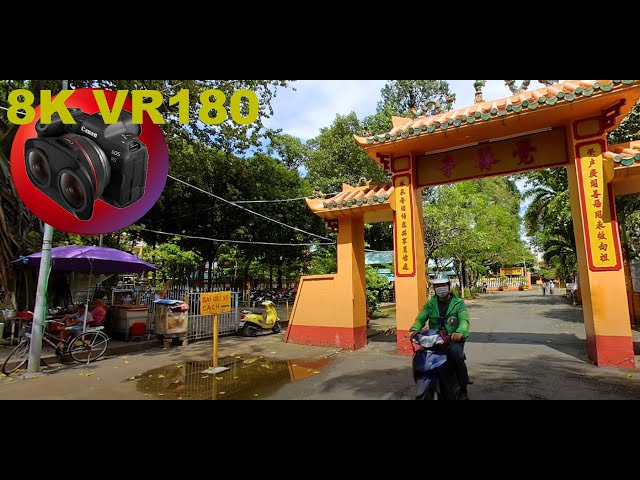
(405, 258)
(599, 228)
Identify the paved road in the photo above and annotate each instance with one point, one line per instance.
(523, 346)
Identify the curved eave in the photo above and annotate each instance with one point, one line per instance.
(551, 106)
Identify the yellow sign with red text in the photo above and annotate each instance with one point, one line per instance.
(215, 302)
(530, 152)
(519, 271)
(600, 225)
(403, 226)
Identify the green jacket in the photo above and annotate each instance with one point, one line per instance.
(457, 319)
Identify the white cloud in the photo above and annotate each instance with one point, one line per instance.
(315, 103)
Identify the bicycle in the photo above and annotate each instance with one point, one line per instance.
(85, 347)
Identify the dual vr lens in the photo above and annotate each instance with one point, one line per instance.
(78, 183)
(74, 171)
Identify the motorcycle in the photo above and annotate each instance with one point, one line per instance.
(251, 322)
(435, 377)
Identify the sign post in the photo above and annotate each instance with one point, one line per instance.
(215, 303)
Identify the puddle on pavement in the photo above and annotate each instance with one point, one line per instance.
(250, 378)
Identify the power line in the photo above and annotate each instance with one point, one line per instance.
(250, 211)
(283, 200)
(236, 241)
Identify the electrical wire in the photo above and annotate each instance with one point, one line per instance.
(250, 211)
(236, 241)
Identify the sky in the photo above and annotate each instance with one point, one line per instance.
(315, 103)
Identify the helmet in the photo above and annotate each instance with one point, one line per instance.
(439, 281)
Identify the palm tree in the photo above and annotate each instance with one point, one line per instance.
(546, 186)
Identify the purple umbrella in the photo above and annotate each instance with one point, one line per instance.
(89, 259)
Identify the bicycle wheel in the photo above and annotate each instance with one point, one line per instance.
(18, 358)
(88, 347)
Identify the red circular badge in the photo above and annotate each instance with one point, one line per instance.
(92, 177)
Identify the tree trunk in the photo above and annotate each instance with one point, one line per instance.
(210, 282)
(245, 270)
(279, 275)
(461, 275)
(270, 274)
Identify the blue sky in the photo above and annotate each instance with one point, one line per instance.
(315, 103)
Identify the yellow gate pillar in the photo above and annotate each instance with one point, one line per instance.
(602, 282)
(351, 303)
(408, 235)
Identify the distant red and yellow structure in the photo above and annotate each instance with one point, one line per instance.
(563, 125)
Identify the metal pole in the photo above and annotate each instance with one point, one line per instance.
(101, 238)
(215, 340)
(40, 314)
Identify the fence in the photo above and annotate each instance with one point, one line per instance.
(201, 326)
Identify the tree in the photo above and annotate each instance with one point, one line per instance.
(629, 129)
(16, 222)
(228, 137)
(291, 151)
(544, 187)
(407, 98)
(174, 262)
(335, 157)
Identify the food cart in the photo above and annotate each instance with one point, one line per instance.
(171, 320)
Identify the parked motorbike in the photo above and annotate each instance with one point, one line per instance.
(435, 377)
(252, 322)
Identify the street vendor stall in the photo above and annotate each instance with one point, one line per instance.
(96, 261)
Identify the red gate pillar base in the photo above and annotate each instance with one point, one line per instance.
(339, 337)
(610, 351)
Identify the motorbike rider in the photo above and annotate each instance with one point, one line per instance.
(450, 309)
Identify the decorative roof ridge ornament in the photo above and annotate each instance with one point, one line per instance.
(439, 107)
(515, 90)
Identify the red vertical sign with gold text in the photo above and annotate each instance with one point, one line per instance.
(403, 227)
(599, 217)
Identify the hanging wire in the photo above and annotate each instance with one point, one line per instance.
(250, 211)
(243, 242)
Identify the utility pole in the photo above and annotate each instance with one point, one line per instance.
(40, 313)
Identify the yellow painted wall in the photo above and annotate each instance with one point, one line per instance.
(316, 302)
(350, 283)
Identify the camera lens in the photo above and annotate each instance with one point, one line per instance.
(38, 165)
(72, 190)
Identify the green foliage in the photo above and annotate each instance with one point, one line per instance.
(174, 262)
(289, 150)
(228, 137)
(404, 98)
(335, 157)
(323, 261)
(476, 223)
(376, 286)
(628, 207)
(629, 129)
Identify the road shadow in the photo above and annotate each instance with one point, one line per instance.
(397, 382)
(388, 336)
(548, 377)
(562, 342)
(565, 314)
(541, 300)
